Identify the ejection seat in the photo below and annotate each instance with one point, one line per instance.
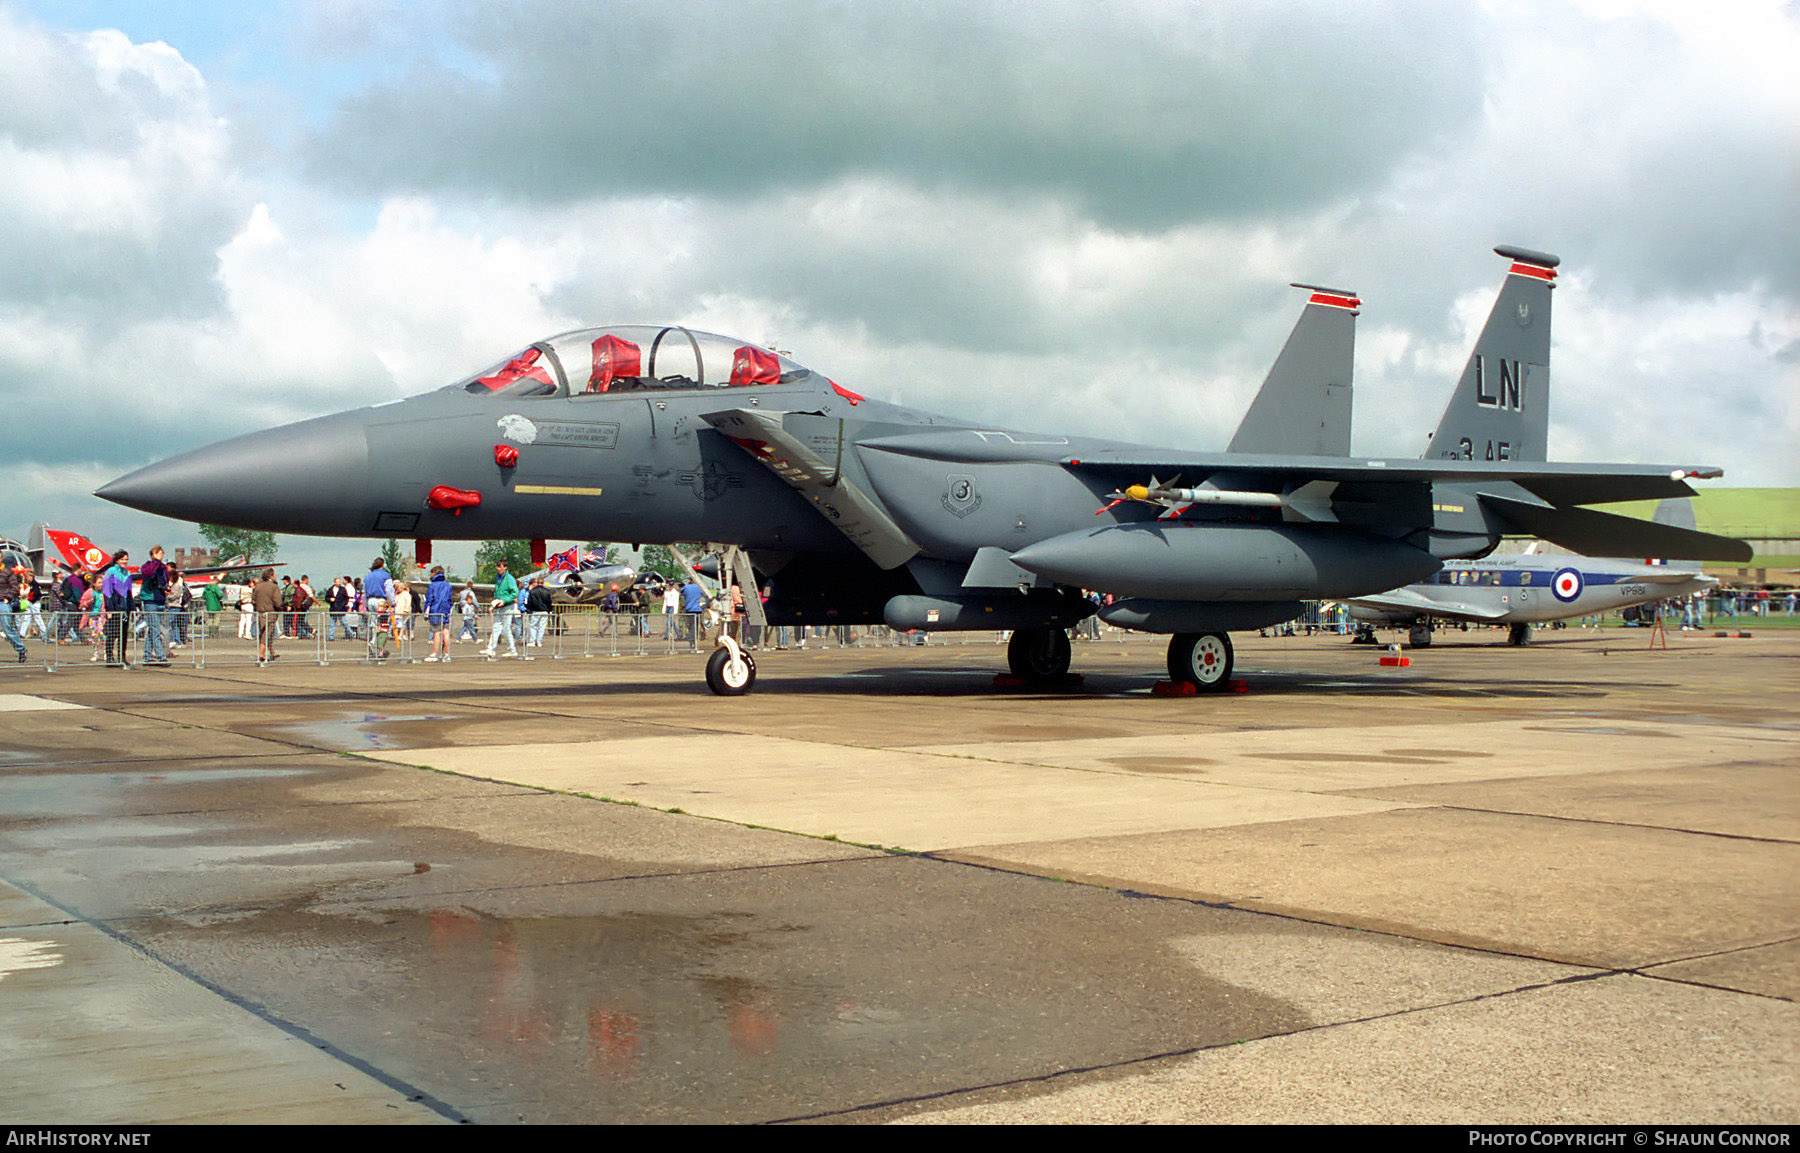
(615, 359)
(752, 365)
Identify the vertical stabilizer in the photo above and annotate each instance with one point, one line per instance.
(1303, 407)
(1501, 407)
(37, 548)
(1676, 512)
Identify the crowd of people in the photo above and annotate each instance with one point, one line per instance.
(112, 605)
(106, 607)
(96, 607)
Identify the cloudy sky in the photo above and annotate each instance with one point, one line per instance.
(1070, 216)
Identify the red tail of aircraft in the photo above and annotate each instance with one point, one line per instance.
(81, 553)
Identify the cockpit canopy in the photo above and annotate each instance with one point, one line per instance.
(633, 358)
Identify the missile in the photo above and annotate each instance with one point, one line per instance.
(1309, 502)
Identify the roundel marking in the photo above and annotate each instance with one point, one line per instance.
(94, 556)
(1566, 585)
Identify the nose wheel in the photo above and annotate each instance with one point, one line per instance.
(730, 671)
(1200, 659)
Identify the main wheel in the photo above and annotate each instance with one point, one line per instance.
(1200, 659)
(1519, 634)
(1419, 637)
(729, 676)
(1038, 654)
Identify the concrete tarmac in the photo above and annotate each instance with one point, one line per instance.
(1553, 884)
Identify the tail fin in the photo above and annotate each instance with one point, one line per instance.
(1303, 407)
(1676, 512)
(1501, 407)
(77, 550)
(36, 548)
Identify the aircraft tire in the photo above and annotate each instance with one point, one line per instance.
(1201, 659)
(728, 677)
(1519, 635)
(1038, 654)
(1419, 637)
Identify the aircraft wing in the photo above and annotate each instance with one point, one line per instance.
(1554, 484)
(1522, 498)
(1115, 464)
(1525, 499)
(222, 569)
(1407, 601)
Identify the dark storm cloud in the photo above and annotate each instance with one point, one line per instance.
(1139, 119)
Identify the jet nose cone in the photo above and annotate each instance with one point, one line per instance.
(311, 477)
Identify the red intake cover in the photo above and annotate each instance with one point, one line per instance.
(505, 455)
(456, 499)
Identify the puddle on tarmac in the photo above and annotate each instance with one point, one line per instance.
(697, 1016)
(38, 795)
(356, 732)
(171, 845)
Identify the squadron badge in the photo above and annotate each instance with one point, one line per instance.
(960, 497)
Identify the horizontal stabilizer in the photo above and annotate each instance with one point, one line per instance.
(1606, 534)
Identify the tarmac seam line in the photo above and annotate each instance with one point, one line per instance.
(1646, 970)
(1615, 824)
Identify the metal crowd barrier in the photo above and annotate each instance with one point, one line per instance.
(198, 639)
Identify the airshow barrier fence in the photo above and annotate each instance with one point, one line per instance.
(198, 639)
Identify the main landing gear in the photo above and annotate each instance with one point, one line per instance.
(1038, 654)
(1518, 634)
(1201, 659)
(730, 671)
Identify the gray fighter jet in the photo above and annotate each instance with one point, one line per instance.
(860, 511)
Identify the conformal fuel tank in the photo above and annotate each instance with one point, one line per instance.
(1176, 561)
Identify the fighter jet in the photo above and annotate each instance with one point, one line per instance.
(861, 511)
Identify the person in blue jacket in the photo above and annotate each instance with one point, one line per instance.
(438, 597)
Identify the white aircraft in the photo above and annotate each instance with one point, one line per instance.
(1530, 588)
